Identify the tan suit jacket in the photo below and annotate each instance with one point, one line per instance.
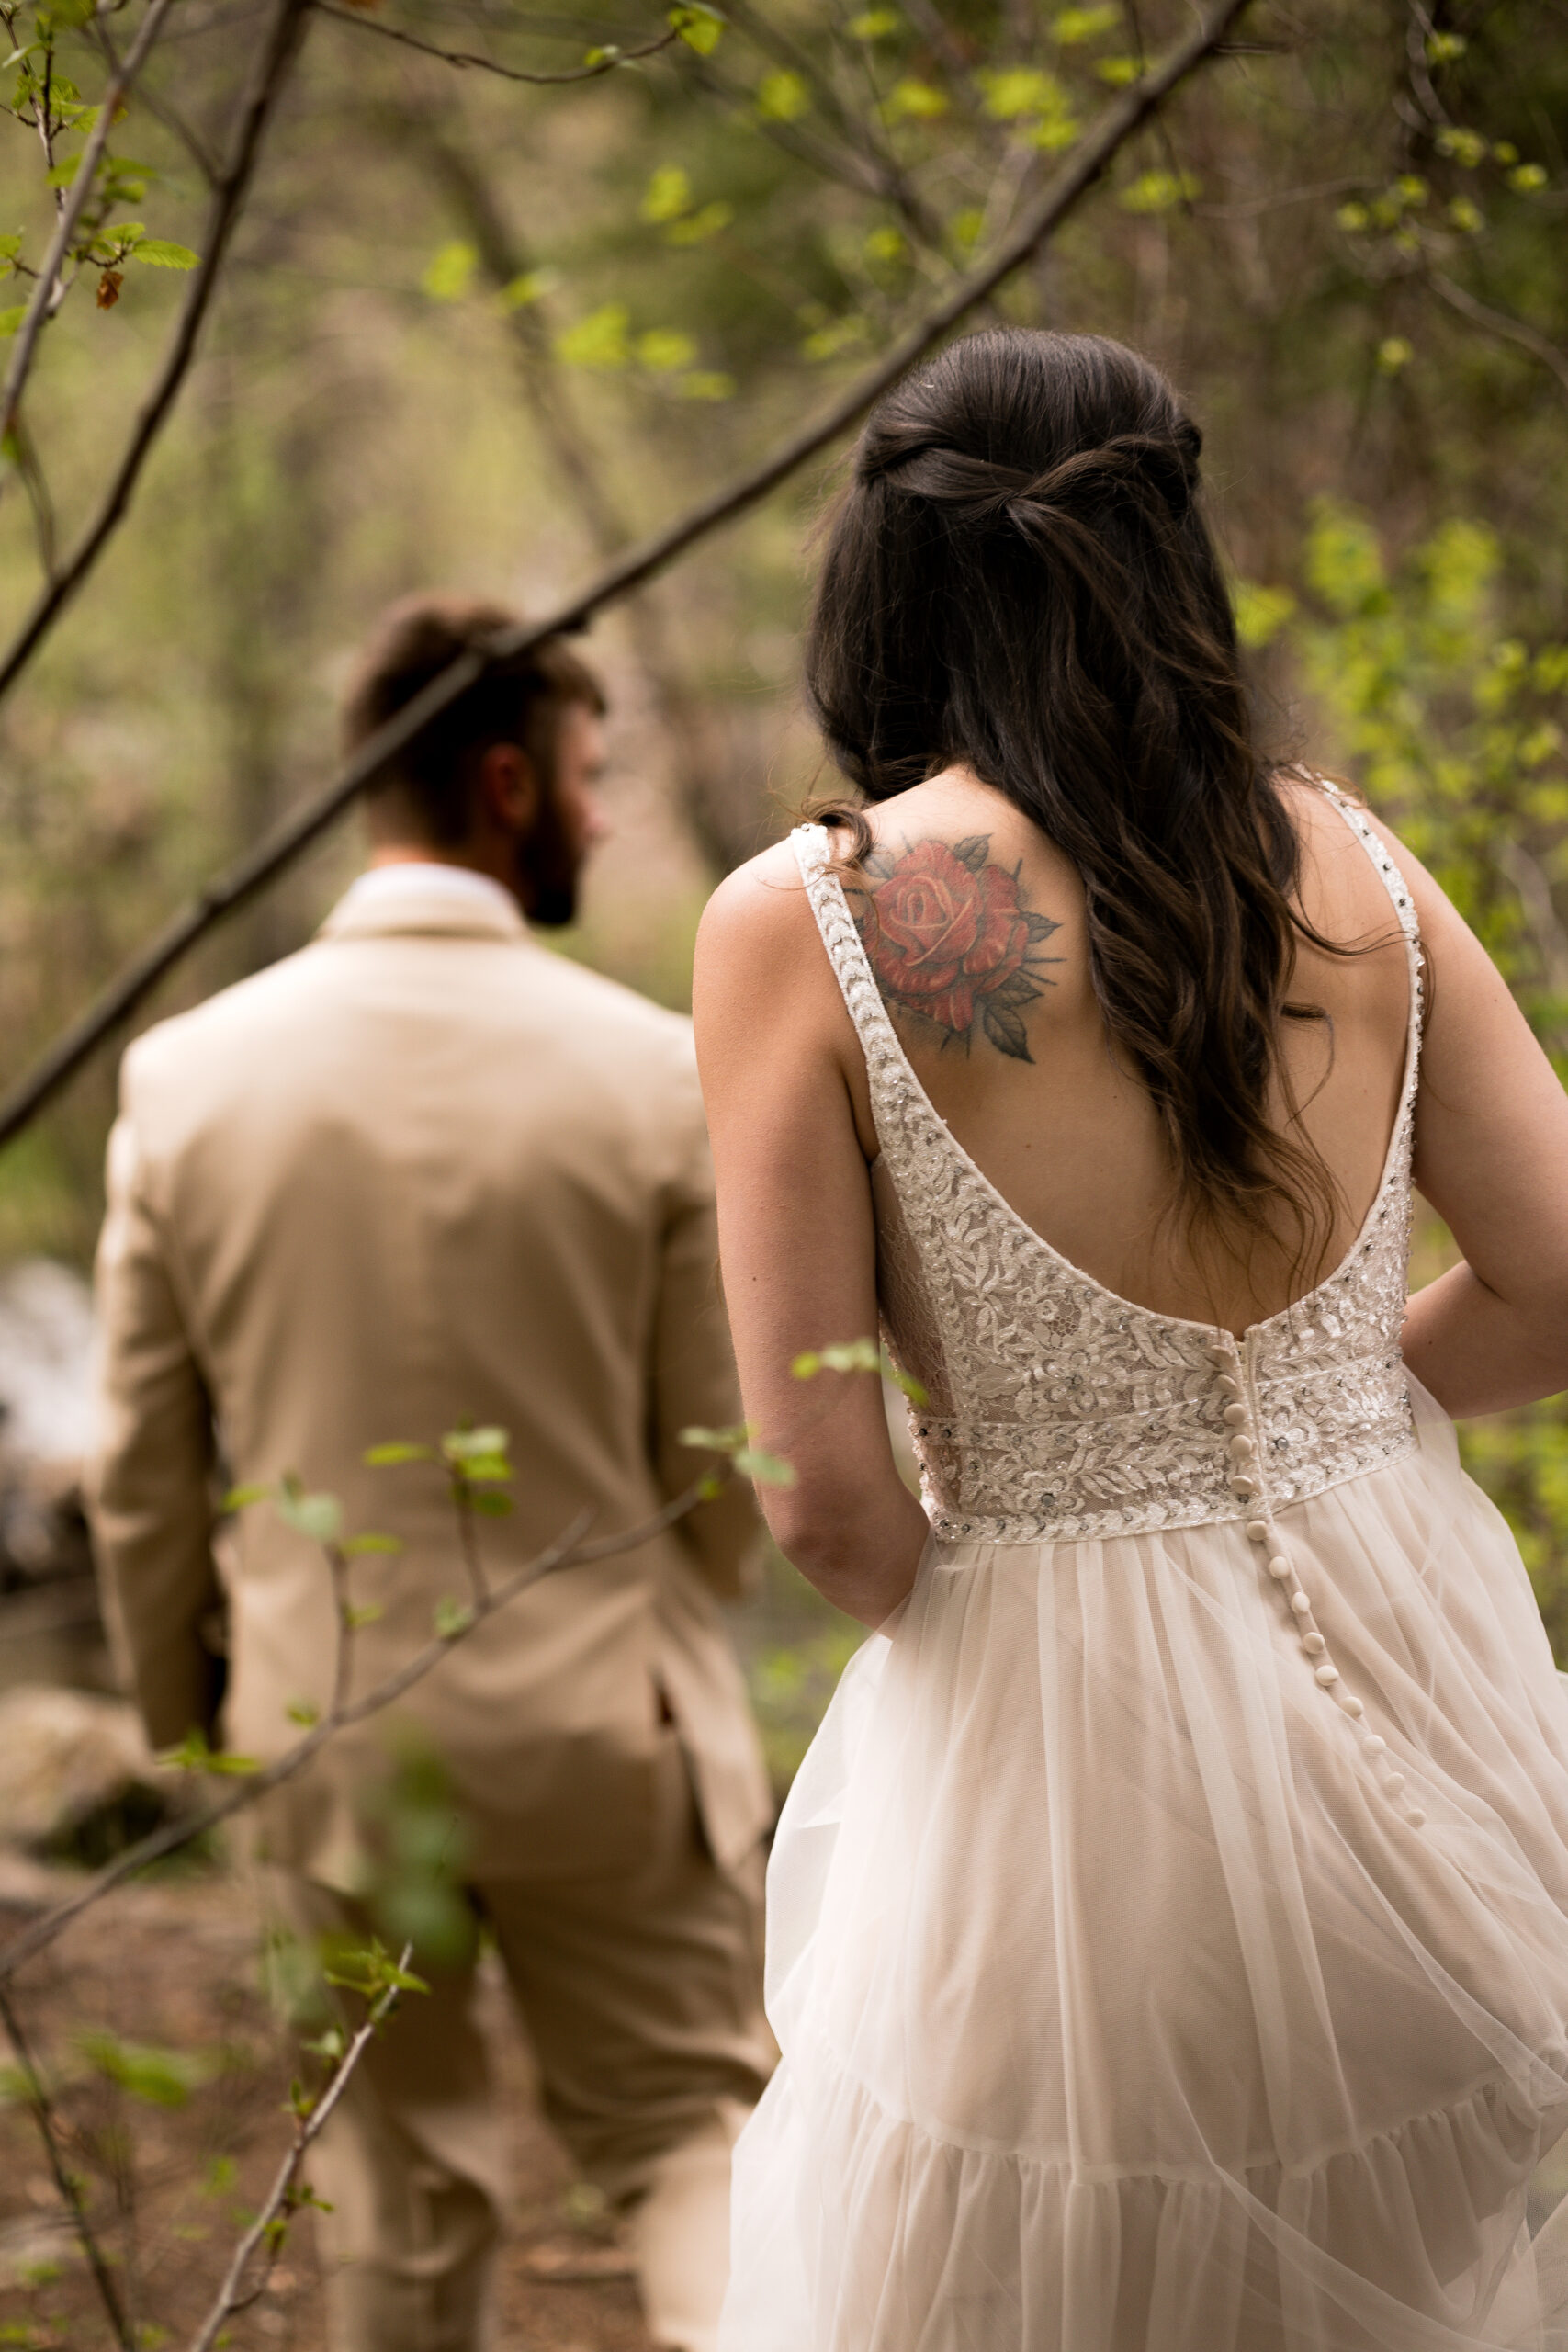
(425, 1170)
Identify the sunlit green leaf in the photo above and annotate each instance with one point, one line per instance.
(451, 1618)
(355, 1544)
(783, 95)
(380, 1457)
(699, 26)
(164, 256)
(449, 272)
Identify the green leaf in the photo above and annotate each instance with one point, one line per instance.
(700, 27)
(164, 256)
(782, 96)
(914, 101)
(318, 1516)
(602, 341)
(303, 1712)
(10, 246)
(194, 1755)
(449, 273)
(490, 1506)
(359, 1543)
(668, 194)
(1158, 192)
(381, 1457)
(765, 1469)
(874, 24)
(240, 1497)
(708, 384)
(1070, 25)
(664, 351)
(699, 226)
(725, 1441)
(451, 1618)
(159, 2077)
(465, 1446)
(63, 174)
(1119, 73)
(1261, 613)
(362, 1613)
(531, 286)
(10, 320)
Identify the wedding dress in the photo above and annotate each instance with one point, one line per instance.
(1169, 1927)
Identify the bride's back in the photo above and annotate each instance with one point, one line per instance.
(975, 927)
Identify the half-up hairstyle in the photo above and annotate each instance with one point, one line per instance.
(1020, 580)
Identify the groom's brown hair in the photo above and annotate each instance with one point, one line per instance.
(428, 785)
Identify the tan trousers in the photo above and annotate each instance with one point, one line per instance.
(642, 1998)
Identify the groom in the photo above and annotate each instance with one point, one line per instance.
(421, 1171)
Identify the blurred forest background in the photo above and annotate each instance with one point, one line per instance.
(479, 332)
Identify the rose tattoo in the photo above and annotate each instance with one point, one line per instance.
(950, 938)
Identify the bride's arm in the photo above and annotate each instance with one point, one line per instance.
(1492, 1158)
(780, 1068)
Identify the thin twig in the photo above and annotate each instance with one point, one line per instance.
(631, 572)
(570, 1550)
(70, 212)
(306, 2128)
(1502, 322)
(464, 57)
(66, 2180)
(269, 72)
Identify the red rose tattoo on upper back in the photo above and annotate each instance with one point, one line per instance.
(950, 938)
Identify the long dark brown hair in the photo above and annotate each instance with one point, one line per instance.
(1020, 578)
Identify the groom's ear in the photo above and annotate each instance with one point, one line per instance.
(507, 789)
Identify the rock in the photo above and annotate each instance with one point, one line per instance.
(76, 1775)
(46, 1365)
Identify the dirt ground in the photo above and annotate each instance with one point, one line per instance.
(172, 1966)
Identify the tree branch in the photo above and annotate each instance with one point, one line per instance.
(41, 301)
(270, 69)
(464, 57)
(306, 2128)
(66, 2180)
(568, 1551)
(1501, 323)
(631, 572)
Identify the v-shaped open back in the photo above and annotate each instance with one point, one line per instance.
(1058, 1409)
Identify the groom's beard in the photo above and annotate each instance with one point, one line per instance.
(548, 865)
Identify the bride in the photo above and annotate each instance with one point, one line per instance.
(1168, 1940)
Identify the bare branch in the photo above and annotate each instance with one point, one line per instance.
(230, 2298)
(270, 69)
(65, 2181)
(1502, 322)
(464, 57)
(41, 301)
(570, 1550)
(630, 572)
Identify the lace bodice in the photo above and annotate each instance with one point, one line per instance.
(1056, 1410)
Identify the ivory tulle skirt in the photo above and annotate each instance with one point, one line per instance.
(1124, 2006)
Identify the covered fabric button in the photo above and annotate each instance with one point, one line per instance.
(1229, 1384)
(1222, 1352)
(1415, 1817)
(1352, 1706)
(1327, 1674)
(1393, 1783)
(1241, 1449)
(1235, 1416)
(1313, 1644)
(1373, 1744)
(1279, 1567)
(1243, 1487)
(1300, 1604)
(1258, 1530)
